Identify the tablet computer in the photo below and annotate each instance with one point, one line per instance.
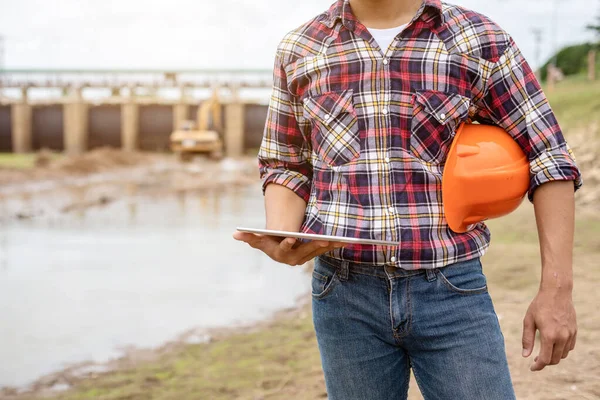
(338, 239)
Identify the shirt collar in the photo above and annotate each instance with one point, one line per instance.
(340, 10)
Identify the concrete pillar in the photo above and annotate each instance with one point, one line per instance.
(234, 129)
(129, 125)
(180, 114)
(75, 123)
(21, 125)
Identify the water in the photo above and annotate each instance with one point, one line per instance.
(84, 285)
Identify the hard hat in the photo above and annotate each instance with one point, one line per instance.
(486, 176)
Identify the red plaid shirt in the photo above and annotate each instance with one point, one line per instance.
(362, 133)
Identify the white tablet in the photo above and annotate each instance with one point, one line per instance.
(339, 239)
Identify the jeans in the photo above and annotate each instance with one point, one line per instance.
(375, 323)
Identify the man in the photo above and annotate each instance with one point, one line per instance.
(367, 97)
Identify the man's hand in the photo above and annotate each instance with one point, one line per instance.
(553, 314)
(284, 251)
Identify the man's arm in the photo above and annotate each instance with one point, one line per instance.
(552, 311)
(286, 171)
(514, 100)
(284, 209)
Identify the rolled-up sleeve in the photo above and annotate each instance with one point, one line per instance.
(284, 155)
(515, 101)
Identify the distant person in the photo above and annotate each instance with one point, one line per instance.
(366, 99)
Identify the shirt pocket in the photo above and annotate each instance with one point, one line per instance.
(335, 134)
(435, 118)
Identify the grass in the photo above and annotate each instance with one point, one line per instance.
(21, 161)
(244, 364)
(576, 102)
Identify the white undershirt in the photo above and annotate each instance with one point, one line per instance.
(385, 37)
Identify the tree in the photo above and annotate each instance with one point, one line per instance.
(571, 60)
(596, 27)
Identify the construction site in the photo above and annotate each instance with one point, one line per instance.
(119, 279)
(126, 109)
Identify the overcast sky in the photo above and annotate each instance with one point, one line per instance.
(221, 33)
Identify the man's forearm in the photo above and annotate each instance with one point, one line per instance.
(284, 209)
(555, 214)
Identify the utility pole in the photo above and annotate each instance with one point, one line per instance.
(1, 65)
(553, 69)
(594, 50)
(537, 37)
(1, 53)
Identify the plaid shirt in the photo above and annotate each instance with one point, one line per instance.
(361, 133)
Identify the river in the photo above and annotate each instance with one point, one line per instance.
(86, 284)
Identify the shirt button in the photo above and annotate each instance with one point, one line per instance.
(391, 210)
(387, 159)
(393, 259)
(327, 117)
(385, 61)
(443, 116)
(384, 111)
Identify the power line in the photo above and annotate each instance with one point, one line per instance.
(555, 13)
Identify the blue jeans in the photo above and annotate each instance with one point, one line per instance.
(375, 323)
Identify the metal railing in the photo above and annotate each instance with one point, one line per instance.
(120, 78)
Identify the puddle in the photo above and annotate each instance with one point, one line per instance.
(80, 286)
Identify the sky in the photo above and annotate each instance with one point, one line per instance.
(224, 33)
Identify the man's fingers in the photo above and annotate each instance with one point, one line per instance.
(528, 339)
(567, 349)
(574, 340)
(287, 244)
(284, 251)
(557, 352)
(570, 345)
(321, 251)
(247, 237)
(545, 356)
(266, 244)
(305, 250)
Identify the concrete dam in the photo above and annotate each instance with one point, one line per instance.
(139, 111)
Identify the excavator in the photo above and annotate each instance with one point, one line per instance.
(203, 135)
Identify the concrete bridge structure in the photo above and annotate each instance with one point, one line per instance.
(133, 116)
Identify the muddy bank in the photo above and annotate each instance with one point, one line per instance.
(105, 175)
(62, 381)
(279, 359)
(92, 281)
(49, 165)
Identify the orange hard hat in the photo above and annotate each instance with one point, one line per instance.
(486, 176)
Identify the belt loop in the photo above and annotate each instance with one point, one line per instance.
(344, 266)
(431, 274)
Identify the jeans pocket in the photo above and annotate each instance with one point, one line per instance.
(465, 278)
(324, 278)
(435, 118)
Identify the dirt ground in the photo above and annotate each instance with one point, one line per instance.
(278, 359)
